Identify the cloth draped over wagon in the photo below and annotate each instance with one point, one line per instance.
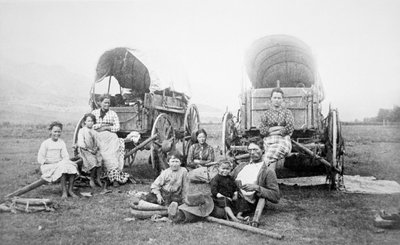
(283, 58)
(142, 72)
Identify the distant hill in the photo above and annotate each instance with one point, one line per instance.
(35, 93)
(209, 114)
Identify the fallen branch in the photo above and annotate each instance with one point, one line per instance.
(27, 188)
(245, 227)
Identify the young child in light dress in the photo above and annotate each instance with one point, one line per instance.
(55, 163)
(89, 150)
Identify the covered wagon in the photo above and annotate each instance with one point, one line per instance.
(148, 99)
(286, 62)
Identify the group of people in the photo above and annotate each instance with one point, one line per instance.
(98, 146)
(235, 191)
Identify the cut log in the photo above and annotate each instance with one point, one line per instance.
(27, 188)
(32, 201)
(245, 227)
(147, 206)
(30, 209)
(4, 208)
(144, 214)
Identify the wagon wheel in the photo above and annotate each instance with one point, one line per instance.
(191, 126)
(335, 151)
(164, 143)
(229, 132)
(75, 136)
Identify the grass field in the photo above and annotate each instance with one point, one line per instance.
(308, 215)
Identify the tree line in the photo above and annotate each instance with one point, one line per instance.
(386, 115)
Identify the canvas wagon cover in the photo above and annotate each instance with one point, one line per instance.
(142, 72)
(280, 57)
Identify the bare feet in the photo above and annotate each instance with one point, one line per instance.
(99, 183)
(91, 183)
(241, 218)
(236, 220)
(64, 195)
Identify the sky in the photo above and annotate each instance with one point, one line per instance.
(356, 43)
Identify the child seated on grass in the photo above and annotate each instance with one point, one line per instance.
(89, 150)
(55, 163)
(224, 189)
(170, 185)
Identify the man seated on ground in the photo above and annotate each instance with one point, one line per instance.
(257, 181)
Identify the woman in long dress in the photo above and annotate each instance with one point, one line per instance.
(112, 148)
(277, 125)
(200, 160)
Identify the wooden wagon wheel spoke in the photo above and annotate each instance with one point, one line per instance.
(227, 132)
(191, 125)
(335, 150)
(164, 129)
(75, 137)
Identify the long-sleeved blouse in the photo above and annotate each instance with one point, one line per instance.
(110, 118)
(277, 117)
(200, 152)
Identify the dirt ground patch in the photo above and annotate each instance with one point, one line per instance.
(307, 215)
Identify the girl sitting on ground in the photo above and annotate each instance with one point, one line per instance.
(89, 150)
(170, 185)
(200, 160)
(55, 163)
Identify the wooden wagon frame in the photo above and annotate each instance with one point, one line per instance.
(317, 142)
(164, 118)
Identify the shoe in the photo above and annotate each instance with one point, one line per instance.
(387, 216)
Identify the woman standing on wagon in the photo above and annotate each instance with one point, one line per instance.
(277, 125)
(112, 148)
(200, 160)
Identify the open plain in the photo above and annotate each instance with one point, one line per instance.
(305, 215)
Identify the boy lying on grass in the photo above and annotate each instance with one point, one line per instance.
(170, 185)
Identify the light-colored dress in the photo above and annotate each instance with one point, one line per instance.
(87, 139)
(112, 148)
(56, 152)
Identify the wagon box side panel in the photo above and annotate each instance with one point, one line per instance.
(131, 118)
(297, 100)
(173, 106)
